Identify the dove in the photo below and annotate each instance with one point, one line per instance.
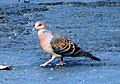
(58, 46)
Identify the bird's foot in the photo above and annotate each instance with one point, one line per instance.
(43, 65)
(60, 64)
(46, 63)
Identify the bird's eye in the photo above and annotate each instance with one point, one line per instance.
(39, 24)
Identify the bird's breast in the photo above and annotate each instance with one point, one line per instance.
(46, 45)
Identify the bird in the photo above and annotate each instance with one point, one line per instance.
(58, 46)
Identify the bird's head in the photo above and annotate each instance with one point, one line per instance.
(39, 25)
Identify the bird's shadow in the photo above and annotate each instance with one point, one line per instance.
(81, 63)
(71, 63)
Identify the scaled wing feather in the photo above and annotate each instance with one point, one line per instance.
(61, 45)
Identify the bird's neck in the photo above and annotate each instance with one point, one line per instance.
(42, 34)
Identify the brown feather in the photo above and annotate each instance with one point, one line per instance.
(61, 45)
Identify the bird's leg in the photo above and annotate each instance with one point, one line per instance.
(61, 62)
(43, 65)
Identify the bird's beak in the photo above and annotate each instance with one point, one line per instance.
(33, 29)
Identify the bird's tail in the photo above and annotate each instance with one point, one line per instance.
(91, 56)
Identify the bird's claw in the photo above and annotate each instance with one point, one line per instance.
(60, 64)
(43, 65)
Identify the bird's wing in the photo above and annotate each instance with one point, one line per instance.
(61, 45)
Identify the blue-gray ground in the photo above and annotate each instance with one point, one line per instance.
(94, 26)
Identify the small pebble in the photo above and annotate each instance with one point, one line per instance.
(51, 69)
(50, 78)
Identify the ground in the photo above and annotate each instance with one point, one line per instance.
(94, 27)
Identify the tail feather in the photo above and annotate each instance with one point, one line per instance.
(92, 57)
